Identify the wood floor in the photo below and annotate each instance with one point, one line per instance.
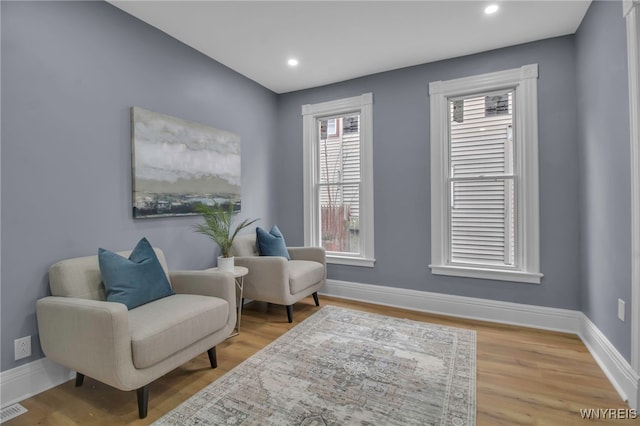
(524, 376)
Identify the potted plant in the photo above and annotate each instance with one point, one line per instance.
(217, 226)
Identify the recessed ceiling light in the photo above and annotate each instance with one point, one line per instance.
(293, 62)
(491, 9)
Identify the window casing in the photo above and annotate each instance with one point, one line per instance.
(484, 176)
(338, 179)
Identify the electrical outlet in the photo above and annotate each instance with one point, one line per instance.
(22, 347)
(621, 310)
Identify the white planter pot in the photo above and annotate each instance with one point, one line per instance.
(225, 264)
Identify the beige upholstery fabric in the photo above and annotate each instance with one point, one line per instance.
(80, 277)
(304, 274)
(81, 331)
(245, 245)
(159, 330)
(275, 279)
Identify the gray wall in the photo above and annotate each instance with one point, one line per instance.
(605, 179)
(70, 73)
(401, 174)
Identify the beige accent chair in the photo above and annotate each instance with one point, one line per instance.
(126, 349)
(274, 279)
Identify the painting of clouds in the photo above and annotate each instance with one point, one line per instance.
(178, 164)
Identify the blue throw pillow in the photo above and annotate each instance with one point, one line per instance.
(136, 280)
(271, 243)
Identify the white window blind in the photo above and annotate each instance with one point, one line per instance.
(482, 187)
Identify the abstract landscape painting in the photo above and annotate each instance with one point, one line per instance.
(178, 164)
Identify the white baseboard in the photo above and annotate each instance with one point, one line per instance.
(30, 379)
(617, 369)
(564, 320)
(623, 378)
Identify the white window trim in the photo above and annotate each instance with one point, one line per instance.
(311, 112)
(524, 79)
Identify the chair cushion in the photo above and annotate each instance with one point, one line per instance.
(134, 281)
(303, 274)
(271, 243)
(155, 335)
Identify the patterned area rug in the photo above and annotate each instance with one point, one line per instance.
(345, 367)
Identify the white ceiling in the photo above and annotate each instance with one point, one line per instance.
(340, 40)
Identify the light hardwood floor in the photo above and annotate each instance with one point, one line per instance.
(524, 376)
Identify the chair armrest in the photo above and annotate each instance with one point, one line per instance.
(88, 336)
(205, 283)
(268, 277)
(317, 254)
(275, 266)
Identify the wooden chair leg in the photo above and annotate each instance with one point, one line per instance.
(143, 401)
(212, 357)
(79, 379)
(315, 298)
(290, 313)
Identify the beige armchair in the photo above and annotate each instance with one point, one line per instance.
(274, 279)
(128, 349)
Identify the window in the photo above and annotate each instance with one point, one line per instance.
(332, 127)
(484, 176)
(338, 179)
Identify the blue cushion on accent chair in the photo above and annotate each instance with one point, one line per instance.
(271, 243)
(136, 280)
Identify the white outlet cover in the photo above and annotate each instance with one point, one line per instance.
(22, 347)
(621, 310)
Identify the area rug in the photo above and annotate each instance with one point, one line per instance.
(346, 367)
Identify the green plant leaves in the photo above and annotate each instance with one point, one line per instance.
(217, 225)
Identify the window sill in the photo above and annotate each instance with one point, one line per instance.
(486, 273)
(350, 261)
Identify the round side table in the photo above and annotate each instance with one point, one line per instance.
(239, 273)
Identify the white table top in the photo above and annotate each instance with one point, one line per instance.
(238, 271)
